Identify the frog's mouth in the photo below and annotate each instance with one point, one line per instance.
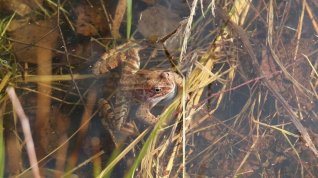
(171, 94)
(167, 93)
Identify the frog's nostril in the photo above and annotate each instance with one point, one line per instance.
(165, 74)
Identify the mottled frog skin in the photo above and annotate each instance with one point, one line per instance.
(145, 87)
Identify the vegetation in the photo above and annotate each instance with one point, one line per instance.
(247, 107)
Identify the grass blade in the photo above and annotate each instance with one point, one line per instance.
(129, 17)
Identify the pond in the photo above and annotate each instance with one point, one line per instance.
(158, 88)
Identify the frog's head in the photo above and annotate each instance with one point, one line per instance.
(160, 88)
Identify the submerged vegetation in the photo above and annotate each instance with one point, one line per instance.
(247, 106)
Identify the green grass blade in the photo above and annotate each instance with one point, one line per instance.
(112, 164)
(5, 81)
(129, 17)
(4, 30)
(163, 118)
(2, 147)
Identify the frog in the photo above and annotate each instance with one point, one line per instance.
(146, 87)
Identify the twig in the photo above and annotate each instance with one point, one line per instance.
(26, 130)
(67, 54)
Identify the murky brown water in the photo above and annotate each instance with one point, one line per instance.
(239, 69)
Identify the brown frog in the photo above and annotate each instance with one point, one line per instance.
(146, 87)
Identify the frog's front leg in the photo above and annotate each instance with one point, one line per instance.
(143, 113)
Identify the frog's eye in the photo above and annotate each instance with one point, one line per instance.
(157, 89)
